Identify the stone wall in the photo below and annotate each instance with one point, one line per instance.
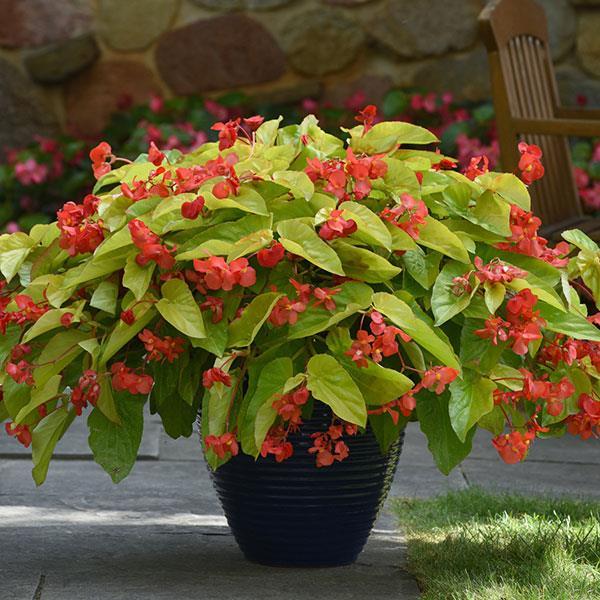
(69, 63)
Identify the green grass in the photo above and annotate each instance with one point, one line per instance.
(472, 545)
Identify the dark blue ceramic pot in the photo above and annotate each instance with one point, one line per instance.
(295, 514)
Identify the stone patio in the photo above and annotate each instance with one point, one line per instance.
(160, 534)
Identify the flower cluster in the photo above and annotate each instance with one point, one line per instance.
(524, 228)
(534, 390)
(27, 311)
(79, 233)
(408, 214)
(21, 432)
(289, 409)
(336, 226)
(150, 246)
(86, 390)
(380, 343)
(522, 327)
(222, 445)
(329, 447)
(349, 178)
(160, 349)
(126, 379)
(217, 274)
(586, 423)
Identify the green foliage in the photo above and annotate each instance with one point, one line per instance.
(365, 277)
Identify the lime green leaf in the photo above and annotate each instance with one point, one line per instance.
(137, 278)
(399, 179)
(540, 289)
(330, 383)
(353, 296)
(471, 397)
(364, 265)
(508, 186)
(400, 239)
(445, 446)
(260, 414)
(298, 182)
(570, 324)
(243, 330)
(267, 133)
(14, 249)
(105, 297)
(250, 244)
(247, 200)
(122, 333)
(57, 354)
(115, 447)
(492, 214)
(494, 296)
(385, 430)
(51, 320)
(370, 228)
(579, 239)
(39, 396)
(385, 137)
(423, 268)
(298, 238)
(401, 315)
(445, 304)
(437, 236)
(44, 439)
(179, 308)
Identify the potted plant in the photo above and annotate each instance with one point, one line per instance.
(309, 297)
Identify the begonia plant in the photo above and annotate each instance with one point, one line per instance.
(281, 267)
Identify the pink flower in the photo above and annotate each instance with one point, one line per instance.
(31, 172)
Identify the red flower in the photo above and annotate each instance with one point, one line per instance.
(513, 447)
(128, 317)
(20, 432)
(409, 214)
(192, 210)
(19, 351)
(150, 247)
(361, 348)
(254, 122)
(303, 290)
(336, 226)
(496, 329)
(78, 232)
(367, 117)
(86, 390)
(222, 445)
(155, 156)
(215, 305)
(328, 445)
(20, 372)
(497, 271)
(227, 133)
(286, 311)
(276, 443)
(324, 297)
(167, 348)
(474, 170)
(437, 378)
(102, 158)
(271, 256)
(219, 275)
(214, 375)
(66, 319)
(530, 164)
(125, 379)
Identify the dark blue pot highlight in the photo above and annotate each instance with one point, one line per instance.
(295, 514)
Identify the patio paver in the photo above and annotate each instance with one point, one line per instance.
(161, 534)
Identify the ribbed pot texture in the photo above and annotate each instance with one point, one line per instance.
(295, 514)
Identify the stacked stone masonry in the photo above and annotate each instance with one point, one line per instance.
(68, 64)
